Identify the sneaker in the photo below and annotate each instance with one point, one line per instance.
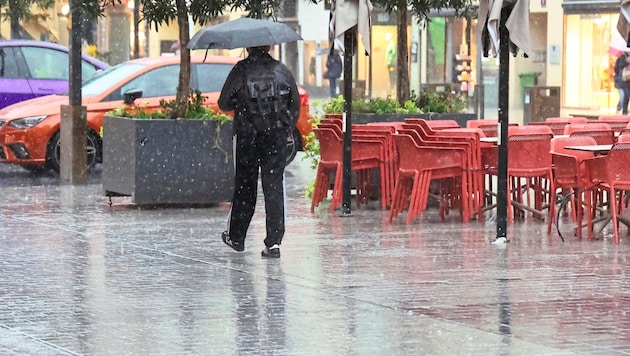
(271, 252)
(237, 246)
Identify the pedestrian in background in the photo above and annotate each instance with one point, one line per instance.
(622, 84)
(333, 71)
(264, 96)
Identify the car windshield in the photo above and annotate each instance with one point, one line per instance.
(104, 80)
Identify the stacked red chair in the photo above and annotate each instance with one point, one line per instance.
(419, 165)
(467, 139)
(371, 150)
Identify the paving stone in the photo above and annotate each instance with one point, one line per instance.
(80, 277)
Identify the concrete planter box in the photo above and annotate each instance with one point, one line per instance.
(461, 118)
(168, 161)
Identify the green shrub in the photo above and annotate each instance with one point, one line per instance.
(440, 102)
(196, 110)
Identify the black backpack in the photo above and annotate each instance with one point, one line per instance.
(263, 98)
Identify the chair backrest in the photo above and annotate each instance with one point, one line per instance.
(414, 156)
(569, 171)
(602, 137)
(616, 125)
(569, 129)
(529, 130)
(624, 138)
(478, 123)
(617, 167)
(529, 152)
(330, 144)
(489, 127)
(395, 124)
(557, 127)
(558, 145)
(336, 128)
(431, 126)
(622, 118)
(568, 119)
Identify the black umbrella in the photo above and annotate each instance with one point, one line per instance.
(243, 32)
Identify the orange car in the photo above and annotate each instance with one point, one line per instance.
(29, 130)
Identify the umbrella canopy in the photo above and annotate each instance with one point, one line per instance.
(243, 32)
(617, 46)
(517, 24)
(351, 15)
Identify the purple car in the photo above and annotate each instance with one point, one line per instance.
(29, 69)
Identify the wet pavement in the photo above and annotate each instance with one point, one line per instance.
(78, 277)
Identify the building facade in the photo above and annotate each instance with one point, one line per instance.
(569, 49)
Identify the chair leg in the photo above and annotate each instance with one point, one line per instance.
(614, 211)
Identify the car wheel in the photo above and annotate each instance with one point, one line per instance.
(292, 147)
(53, 154)
(36, 169)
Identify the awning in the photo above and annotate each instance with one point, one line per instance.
(590, 6)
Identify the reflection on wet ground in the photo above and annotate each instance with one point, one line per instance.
(79, 277)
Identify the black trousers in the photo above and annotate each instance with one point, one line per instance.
(253, 153)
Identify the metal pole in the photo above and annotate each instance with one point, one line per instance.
(504, 102)
(347, 118)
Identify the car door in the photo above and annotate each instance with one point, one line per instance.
(156, 85)
(14, 86)
(209, 78)
(48, 70)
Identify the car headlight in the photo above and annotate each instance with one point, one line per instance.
(27, 122)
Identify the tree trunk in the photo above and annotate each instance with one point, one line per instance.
(402, 62)
(183, 89)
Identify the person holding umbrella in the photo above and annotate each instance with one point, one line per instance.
(621, 83)
(264, 96)
(333, 71)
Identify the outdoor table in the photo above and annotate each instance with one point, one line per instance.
(596, 149)
(493, 140)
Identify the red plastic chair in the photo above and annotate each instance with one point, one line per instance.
(490, 128)
(613, 118)
(389, 165)
(601, 136)
(434, 124)
(530, 159)
(612, 174)
(468, 139)
(367, 154)
(418, 166)
(569, 129)
(570, 119)
(557, 127)
(617, 125)
(529, 130)
(570, 173)
(331, 158)
(624, 138)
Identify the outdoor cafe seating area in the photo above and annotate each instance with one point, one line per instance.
(411, 164)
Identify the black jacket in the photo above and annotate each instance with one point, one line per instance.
(620, 64)
(233, 93)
